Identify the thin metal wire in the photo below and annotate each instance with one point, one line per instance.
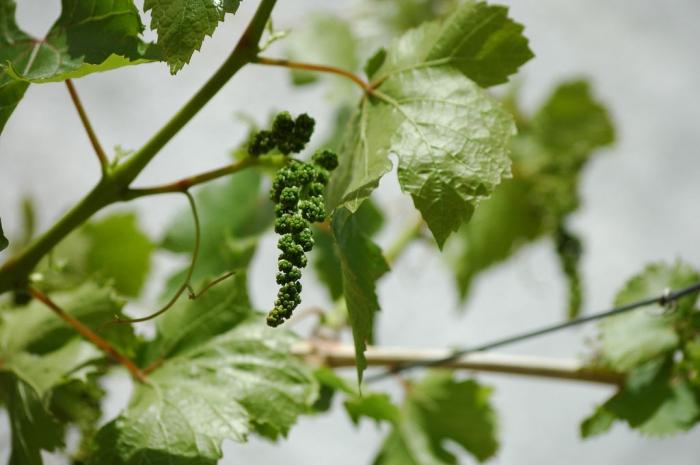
(664, 299)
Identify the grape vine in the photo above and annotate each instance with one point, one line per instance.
(485, 177)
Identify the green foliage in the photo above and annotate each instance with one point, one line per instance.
(192, 322)
(631, 339)
(33, 429)
(651, 401)
(88, 37)
(112, 251)
(79, 402)
(375, 405)
(548, 159)
(212, 370)
(338, 47)
(240, 381)
(500, 226)
(38, 330)
(119, 251)
(182, 25)
(437, 410)
(326, 259)
(660, 395)
(230, 225)
(362, 264)
(28, 385)
(400, 15)
(494, 48)
(450, 136)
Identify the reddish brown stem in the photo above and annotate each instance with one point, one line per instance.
(89, 334)
(101, 155)
(366, 86)
(184, 184)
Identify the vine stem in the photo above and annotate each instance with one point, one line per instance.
(89, 334)
(185, 183)
(366, 86)
(186, 285)
(99, 151)
(336, 355)
(114, 187)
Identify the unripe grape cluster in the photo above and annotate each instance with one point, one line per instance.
(287, 135)
(297, 192)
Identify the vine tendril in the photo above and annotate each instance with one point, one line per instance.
(186, 284)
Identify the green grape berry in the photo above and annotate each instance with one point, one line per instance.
(289, 197)
(290, 276)
(316, 189)
(282, 131)
(313, 209)
(297, 259)
(303, 129)
(326, 159)
(262, 143)
(285, 266)
(322, 176)
(287, 135)
(286, 243)
(305, 239)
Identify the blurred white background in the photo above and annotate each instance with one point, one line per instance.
(639, 204)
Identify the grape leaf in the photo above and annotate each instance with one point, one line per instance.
(329, 382)
(111, 251)
(33, 428)
(38, 330)
(554, 146)
(374, 405)
(437, 410)
(182, 25)
(230, 225)
(45, 372)
(572, 122)
(633, 338)
(89, 36)
(658, 397)
(3, 240)
(119, 251)
(374, 62)
(326, 263)
(478, 39)
(324, 39)
(493, 48)
(548, 158)
(242, 380)
(362, 264)
(190, 322)
(651, 401)
(325, 259)
(500, 226)
(27, 382)
(79, 402)
(450, 136)
(400, 15)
